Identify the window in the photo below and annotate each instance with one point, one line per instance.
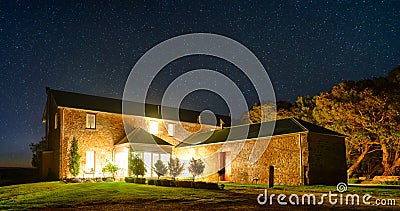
(153, 127)
(55, 121)
(89, 161)
(170, 128)
(91, 121)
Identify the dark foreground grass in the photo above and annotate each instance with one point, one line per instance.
(376, 191)
(130, 196)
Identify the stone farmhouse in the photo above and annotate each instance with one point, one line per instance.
(301, 152)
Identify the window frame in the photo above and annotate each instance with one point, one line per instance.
(93, 164)
(152, 129)
(55, 121)
(88, 125)
(171, 131)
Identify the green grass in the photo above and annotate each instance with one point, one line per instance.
(59, 194)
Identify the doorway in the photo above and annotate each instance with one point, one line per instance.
(224, 163)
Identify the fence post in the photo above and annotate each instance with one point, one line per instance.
(271, 177)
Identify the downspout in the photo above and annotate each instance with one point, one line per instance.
(62, 142)
(301, 161)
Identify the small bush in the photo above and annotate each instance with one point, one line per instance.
(184, 184)
(140, 180)
(200, 185)
(74, 180)
(354, 181)
(165, 182)
(391, 183)
(151, 182)
(206, 185)
(109, 179)
(129, 179)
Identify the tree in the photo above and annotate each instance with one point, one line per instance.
(136, 165)
(37, 149)
(175, 167)
(368, 113)
(75, 157)
(196, 167)
(160, 168)
(112, 168)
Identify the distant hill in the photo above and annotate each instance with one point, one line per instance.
(17, 175)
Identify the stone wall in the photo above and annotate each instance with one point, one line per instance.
(282, 152)
(327, 159)
(109, 130)
(51, 155)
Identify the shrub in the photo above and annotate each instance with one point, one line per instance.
(109, 179)
(151, 182)
(200, 185)
(391, 183)
(112, 168)
(74, 180)
(165, 182)
(140, 180)
(129, 179)
(206, 185)
(74, 158)
(184, 184)
(354, 181)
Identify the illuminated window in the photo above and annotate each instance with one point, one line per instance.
(55, 121)
(89, 161)
(170, 128)
(153, 127)
(91, 121)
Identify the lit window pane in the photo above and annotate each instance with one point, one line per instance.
(55, 121)
(89, 161)
(91, 121)
(147, 163)
(164, 158)
(153, 127)
(171, 129)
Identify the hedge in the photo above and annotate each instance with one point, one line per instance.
(135, 180)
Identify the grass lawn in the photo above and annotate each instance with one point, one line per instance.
(59, 194)
(121, 195)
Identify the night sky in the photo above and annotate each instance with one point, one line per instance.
(305, 46)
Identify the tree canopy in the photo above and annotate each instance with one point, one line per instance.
(367, 111)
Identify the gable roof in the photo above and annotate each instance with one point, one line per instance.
(111, 105)
(141, 136)
(281, 127)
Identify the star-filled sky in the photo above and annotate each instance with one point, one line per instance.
(91, 46)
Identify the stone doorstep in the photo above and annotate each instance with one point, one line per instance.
(386, 178)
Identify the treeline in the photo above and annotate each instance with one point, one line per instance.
(367, 111)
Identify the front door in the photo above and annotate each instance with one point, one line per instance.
(225, 164)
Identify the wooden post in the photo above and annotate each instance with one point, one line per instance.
(271, 177)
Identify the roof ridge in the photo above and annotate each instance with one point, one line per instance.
(299, 124)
